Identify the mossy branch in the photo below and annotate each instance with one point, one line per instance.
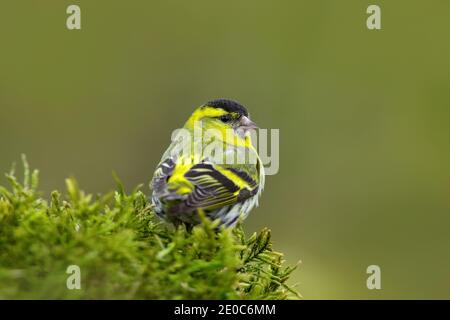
(124, 251)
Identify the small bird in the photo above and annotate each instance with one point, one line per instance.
(189, 181)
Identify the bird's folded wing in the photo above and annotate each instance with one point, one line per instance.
(212, 186)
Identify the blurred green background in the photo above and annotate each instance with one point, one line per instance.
(363, 116)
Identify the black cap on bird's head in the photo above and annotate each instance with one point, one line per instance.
(236, 115)
(229, 106)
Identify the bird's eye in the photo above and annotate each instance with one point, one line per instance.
(226, 118)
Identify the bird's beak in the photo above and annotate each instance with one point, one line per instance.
(247, 124)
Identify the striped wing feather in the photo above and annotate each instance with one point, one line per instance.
(212, 189)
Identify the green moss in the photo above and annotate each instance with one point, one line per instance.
(124, 251)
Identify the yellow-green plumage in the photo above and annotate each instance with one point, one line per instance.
(188, 179)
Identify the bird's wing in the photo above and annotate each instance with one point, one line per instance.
(206, 186)
(216, 186)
